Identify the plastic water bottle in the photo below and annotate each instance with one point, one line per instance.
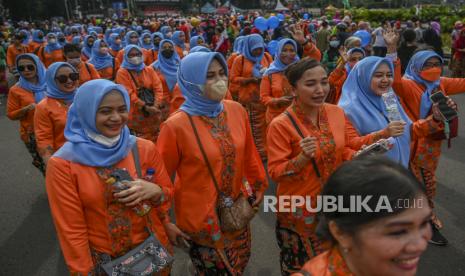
(390, 100)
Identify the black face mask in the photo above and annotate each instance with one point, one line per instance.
(40, 37)
(167, 53)
(61, 39)
(156, 43)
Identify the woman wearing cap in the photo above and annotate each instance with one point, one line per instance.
(247, 72)
(145, 91)
(305, 145)
(275, 91)
(224, 133)
(23, 98)
(50, 116)
(388, 242)
(166, 67)
(95, 222)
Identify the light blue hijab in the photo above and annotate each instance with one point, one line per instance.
(113, 45)
(52, 89)
(99, 60)
(177, 41)
(80, 148)
(156, 34)
(277, 65)
(39, 88)
(165, 30)
(199, 49)
(86, 50)
(50, 47)
(238, 44)
(129, 66)
(194, 41)
(127, 38)
(143, 44)
(412, 72)
(192, 75)
(76, 40)
(35, 36)
(367, 111)
(252, 42)
(168, 67)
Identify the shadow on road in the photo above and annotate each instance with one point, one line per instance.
(33, 242)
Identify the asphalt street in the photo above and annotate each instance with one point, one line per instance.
(28, 243)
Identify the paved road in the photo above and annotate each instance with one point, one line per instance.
(28, 244)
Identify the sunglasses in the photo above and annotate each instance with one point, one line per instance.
(29, 67)
(64, 79)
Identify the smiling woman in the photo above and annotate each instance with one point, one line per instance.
(388, 242)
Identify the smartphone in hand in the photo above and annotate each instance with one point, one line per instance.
(447, 112)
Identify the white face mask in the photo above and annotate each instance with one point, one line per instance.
(52, 41)
(135, 60)
(216, 91)
(103, 140)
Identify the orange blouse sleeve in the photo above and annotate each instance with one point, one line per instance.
(10, 56)
(168, 148)
(426, 127)
(453, 86)
(265, 91)
(355, 141)
(177, 99)
(43, 130)
(337, 77)
(157, 87)
(94, 73)
(14, 108)
(400, 86)
(236, 71)
(68, 216)
(123, 78)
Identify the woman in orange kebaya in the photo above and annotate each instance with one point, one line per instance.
(86, 70)
(151, 55)
(15, 49)
(275, 90)
(423, 78)
(22, 100)
(301, 162)
(339, 75)
(131, 38)
(37, 41)
(115, 44)
(87, 47)
(179, 40)
(386, 242)
(166, 67)
(246, 73)
(50, 116)
(106, 65)
(52, 51)
(146, 93)
(95, 221)
(237, 51)
(225, 135)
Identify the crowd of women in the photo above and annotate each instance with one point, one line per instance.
(130, 122)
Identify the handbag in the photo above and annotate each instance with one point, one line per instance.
(148, 257)
(451, 130)
(233, 215)
(144, 94)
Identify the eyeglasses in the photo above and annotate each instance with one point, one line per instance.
(431, 65)
(29, 67)
(64, 79)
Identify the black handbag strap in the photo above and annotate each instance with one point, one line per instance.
(202, 150)
(134, 80)
(135, 156)
(113, 73)
(297, 128)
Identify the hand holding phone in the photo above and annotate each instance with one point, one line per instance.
(447, 112)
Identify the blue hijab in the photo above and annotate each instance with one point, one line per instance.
(277, 65)
(61, 35)
(108, 32)
(143, 44)
(165, 30)
(238, 44)
(156, 34)
(412, 72)
(26, 40)
(82, 149)
(367, 111)
(177, 41)
(86, 49)
(252, 42)
(52, 89)
(39, 88)
(192, 75)
(199, 49)
(113, 45)
(194, 41)
(353, 50)
(99, 60)
(127, 38)
(168, 67)
(76, 40)
(50, 47)
(129, 66)
(35, 36)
